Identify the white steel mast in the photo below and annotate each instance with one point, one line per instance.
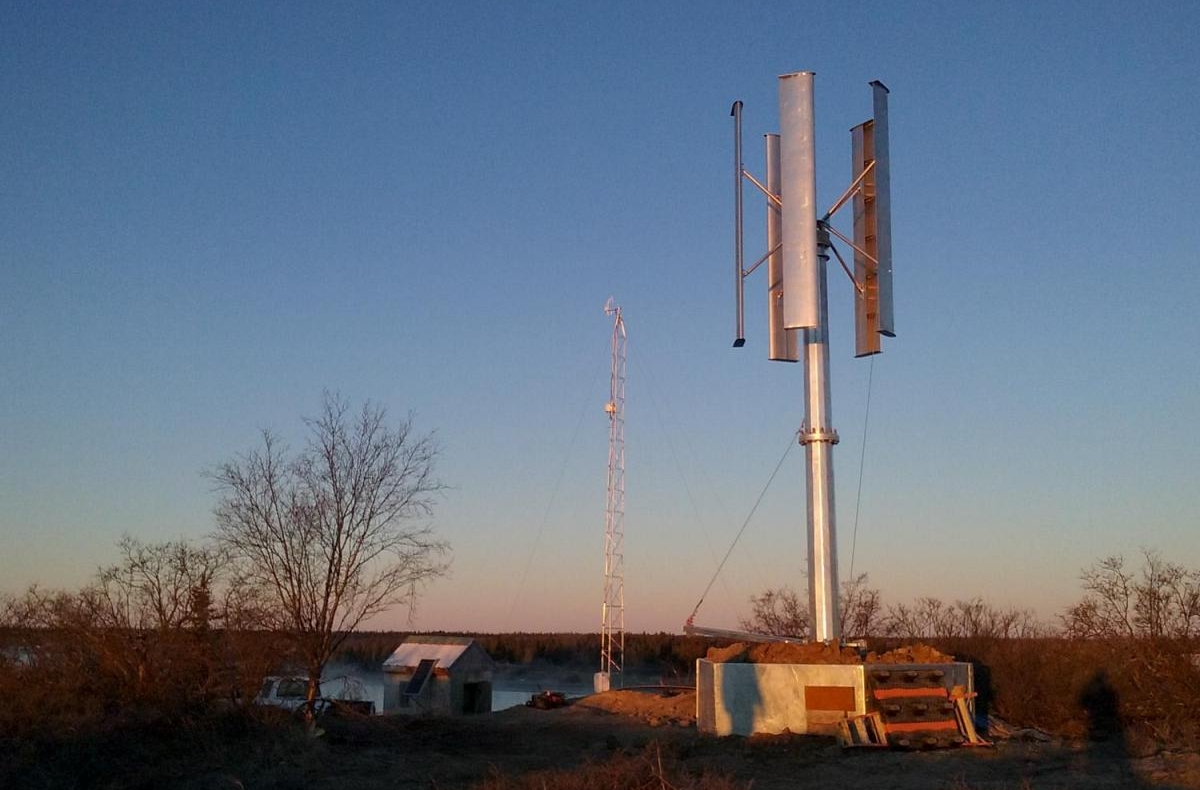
(799, 243)
(612, 616)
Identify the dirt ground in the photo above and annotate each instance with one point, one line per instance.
(385, 752)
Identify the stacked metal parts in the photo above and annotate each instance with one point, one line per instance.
(913, 708)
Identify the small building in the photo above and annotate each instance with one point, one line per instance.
(443, 675)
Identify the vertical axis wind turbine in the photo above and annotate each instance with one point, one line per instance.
(798, 247)
(612, 613)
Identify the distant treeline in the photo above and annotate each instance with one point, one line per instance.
(667, 655)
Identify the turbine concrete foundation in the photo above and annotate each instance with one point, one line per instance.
(734, 698)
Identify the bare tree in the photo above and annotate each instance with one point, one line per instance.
(1107, 606)
(975, 619)
(137, 636)
(781, 612)
(778, 612)
(925, 618)
(930, 618)
(334, 534)
(861, 608)
(158, 586)
(1162, 599)
(150, 614)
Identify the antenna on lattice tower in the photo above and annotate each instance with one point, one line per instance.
(612, 613)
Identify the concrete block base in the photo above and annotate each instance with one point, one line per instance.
(744, 699)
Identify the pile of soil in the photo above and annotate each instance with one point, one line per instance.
(784, 653)
(911, 654)
(821, 653)
(656, 708)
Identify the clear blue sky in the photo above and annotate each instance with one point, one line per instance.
(210, 212)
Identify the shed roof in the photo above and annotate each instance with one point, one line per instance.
(445, 650)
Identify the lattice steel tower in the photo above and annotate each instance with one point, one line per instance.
(612, 616)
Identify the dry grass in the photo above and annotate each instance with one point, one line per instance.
(64, 730)
(649, 770)
(1045, 683)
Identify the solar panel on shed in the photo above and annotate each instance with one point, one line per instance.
(424, 670)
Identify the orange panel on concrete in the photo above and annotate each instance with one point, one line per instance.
(829, 698)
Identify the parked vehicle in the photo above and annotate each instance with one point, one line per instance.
(546, 700)
(290, 692)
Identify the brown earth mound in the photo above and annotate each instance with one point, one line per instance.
(653, 707)
(811, 653)
(784, 653)
(733, 654)
(911, 654)
(820, 653)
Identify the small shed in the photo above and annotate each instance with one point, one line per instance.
(445, 675)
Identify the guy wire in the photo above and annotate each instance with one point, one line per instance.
(746, 523)
(862, 456)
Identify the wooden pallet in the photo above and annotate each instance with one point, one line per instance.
(966, 722)
(863, 731)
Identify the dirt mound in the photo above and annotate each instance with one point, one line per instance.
(653, 707)
(911, 654)
(733, 654)
(784, 653)
(821, 653)
(811, 653)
